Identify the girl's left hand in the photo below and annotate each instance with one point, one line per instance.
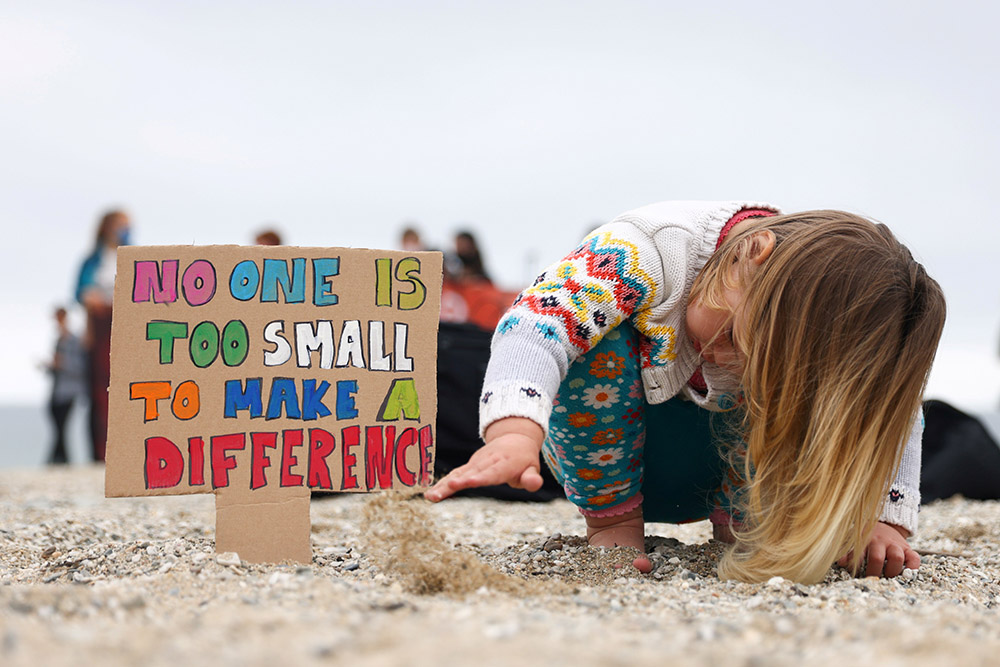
(888, 552)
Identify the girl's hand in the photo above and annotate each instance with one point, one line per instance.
(510, 456)
(888, 552)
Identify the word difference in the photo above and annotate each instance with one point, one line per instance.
(303, 457)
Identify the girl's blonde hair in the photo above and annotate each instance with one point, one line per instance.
(839, 326)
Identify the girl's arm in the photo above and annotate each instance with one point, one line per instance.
(903, 500)
(616, 271)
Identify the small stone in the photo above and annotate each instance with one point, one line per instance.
(775, 582)
(784, 626)
(21, 607)
(228, 558)
(134, 602)
(324, 651)
(351, 567)
(502, 630)
(336, 552)
(279, 578)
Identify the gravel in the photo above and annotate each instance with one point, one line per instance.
(85, 579)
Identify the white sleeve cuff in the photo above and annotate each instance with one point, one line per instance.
(514, 400)
(903, 502)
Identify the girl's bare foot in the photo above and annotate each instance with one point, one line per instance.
(625, 530)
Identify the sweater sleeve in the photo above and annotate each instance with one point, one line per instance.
(903, 502)
(571, 306)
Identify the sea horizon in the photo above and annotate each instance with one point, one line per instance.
(28, 434)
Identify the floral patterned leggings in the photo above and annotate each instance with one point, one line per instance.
(598, 431)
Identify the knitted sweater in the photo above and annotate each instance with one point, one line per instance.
(639, 267)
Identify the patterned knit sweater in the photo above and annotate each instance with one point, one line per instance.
(639, 267)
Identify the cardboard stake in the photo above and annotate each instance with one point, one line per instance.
(238, 527)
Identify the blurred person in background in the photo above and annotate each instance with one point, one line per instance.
(68, 369)
(268, 237)
(95, 291)
(468, 295)
(409, 240)
(470, 260)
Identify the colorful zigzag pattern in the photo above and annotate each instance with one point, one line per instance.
(589, 292)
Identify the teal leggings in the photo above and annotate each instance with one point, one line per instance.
(612, 451)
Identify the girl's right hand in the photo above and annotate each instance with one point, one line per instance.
(510, 456)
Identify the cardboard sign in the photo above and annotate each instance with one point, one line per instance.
(261, 373)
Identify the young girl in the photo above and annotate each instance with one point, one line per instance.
(813, 333)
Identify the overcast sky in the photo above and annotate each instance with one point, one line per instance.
(527, 122)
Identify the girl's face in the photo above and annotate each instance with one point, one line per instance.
(711, 330)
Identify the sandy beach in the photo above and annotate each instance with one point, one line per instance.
(87, 580)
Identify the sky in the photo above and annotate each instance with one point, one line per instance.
(525, 122)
